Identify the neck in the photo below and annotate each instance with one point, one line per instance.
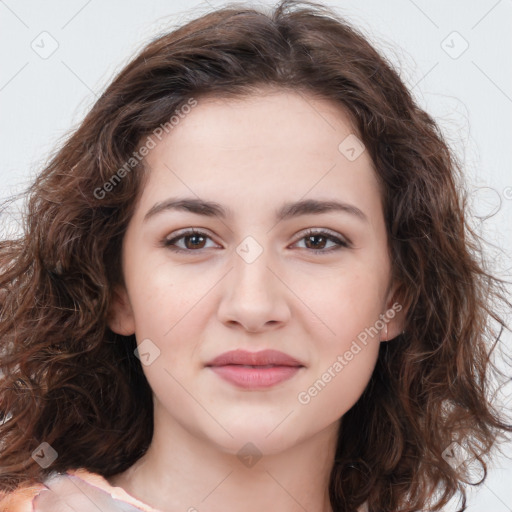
(182, 471)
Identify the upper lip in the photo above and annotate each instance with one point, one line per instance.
(262, 358)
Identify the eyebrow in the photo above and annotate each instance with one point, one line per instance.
(287, 210)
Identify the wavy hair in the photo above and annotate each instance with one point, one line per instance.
(70, 381)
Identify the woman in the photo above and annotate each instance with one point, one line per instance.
(248, 279)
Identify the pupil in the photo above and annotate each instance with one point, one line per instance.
(311, 237)
(195, 237)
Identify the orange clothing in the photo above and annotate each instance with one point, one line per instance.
(75, 491)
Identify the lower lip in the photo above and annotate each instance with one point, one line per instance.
(255, 378)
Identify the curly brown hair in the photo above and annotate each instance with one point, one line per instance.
(70, 381)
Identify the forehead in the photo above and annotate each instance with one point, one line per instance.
(265, 119)
(262, 147)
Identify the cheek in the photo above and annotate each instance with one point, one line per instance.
(346, 303)
(339, 379)
(169, 310)
(346, 342)
(160, 298)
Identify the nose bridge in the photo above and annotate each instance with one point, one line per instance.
(253, 296)
(251, 272)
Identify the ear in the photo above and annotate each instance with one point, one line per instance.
(394, 313)
(120, 318)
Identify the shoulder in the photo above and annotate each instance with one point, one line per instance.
(20, 500)
(74, 491)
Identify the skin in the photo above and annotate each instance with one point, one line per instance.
(251, 156)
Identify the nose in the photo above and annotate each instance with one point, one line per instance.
(254, 295)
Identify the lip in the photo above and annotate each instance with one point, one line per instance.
(261, 358)
(269, 367)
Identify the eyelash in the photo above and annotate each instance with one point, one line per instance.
(169, 243)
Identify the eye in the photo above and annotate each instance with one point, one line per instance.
(315, 240)
(196, 240)
(318, 239)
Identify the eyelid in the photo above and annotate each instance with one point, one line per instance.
(325, 231)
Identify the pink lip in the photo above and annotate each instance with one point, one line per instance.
(272, 368)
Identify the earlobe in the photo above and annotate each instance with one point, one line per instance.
(394, 315)
(121, 319)
(384, 335)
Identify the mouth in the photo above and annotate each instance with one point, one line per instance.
(255, 370)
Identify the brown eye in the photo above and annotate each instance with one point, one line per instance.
(317, 241)
(193, 240)
(196, 241)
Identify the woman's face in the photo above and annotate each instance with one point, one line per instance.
(253, 279)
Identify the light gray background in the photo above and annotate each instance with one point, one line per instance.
(454, 55)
